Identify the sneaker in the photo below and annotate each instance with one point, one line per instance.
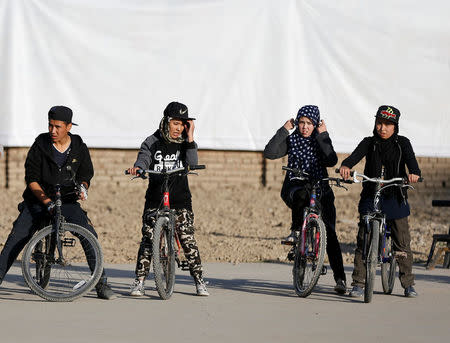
(410, 292)
(356, 292)
(104, 291)
(201, 287)
(137, 288)
(292, 238)
(341, 287)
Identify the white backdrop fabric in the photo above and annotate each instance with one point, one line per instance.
(243, 67)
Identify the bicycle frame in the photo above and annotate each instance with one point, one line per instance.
(165, 210)
(310, 212)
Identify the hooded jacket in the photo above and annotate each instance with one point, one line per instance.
(156, 153)
(41, 167)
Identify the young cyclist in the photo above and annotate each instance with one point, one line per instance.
(48, 160)
(309, 148)
(171, 146)
(393, 152)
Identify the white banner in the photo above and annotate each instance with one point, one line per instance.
(243, 67)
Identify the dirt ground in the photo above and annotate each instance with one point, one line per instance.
(233, 223)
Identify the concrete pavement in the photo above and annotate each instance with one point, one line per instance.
(251, 302)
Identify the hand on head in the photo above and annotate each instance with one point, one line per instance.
(321, 127)
(189, 127)
(289, 125)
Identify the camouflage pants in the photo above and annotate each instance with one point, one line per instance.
(184, 227)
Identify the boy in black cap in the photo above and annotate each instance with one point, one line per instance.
(53, 156)
(171, 146)
(393, 152)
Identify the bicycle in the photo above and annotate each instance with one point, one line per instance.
(62, 261)
(378, 246)
(309, 251)
(166, 245)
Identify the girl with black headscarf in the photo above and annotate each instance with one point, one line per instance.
(309, 148)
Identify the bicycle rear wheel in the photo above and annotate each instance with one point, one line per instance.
(163, 258)
(371, 260)
(388, 267)
(59, 280)
(308, 266)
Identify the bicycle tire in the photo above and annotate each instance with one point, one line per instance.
(388, 268)
(446, 263)
(163, 258)
(371, 260)
(76, 275)
(43, 249)
(308, 267)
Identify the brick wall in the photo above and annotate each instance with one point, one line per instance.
(223, 168)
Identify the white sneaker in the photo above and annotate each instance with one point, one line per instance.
(201, 288)
(137, 288)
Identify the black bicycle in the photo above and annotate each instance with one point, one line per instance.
(309, 251)
(62, 261)
(378, 246)
(166, 247)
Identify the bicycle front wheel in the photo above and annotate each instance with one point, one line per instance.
(42, 250)
(388, 267)
(371, 260)
(66, 277)
(308, 266)
(163, 258)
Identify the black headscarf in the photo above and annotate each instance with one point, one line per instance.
(386, 153)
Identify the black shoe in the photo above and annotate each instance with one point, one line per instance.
(292, 238)
(340, 287)
(410, 292)
(291, 254)
(356, 292)
(104, 291)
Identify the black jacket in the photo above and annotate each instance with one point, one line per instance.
(278, 147)
(156, 151)
(40, 167)
(367, 147)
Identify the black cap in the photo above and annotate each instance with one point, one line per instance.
(389, 113)
(62, 113)
(177, 110)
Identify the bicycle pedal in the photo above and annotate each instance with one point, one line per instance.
(324, 270)
(68, 242)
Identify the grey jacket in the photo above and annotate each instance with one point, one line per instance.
(156, 153)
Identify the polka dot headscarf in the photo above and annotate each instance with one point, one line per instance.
(303, 152)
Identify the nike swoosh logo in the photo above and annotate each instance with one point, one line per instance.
(183, 112)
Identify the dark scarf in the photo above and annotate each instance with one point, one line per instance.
(303, 153)
(386, 153)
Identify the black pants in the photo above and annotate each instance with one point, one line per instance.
(29, 220)
(297, 199)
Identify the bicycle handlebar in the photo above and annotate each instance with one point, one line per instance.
(141, 173)
(303, 176)
(354, 174)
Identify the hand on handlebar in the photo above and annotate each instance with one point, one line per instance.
(412, 178)
(136, 171)
(345, 172)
